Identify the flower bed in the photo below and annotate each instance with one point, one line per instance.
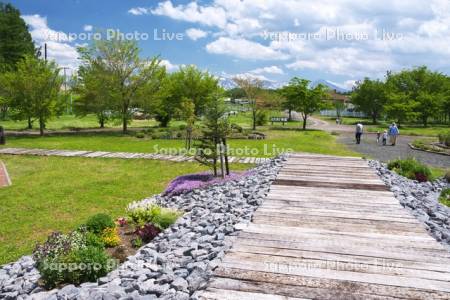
(96, 248)
(186, 183)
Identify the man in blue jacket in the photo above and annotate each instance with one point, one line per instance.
(393, 133)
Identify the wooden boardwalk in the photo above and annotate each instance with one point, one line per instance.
(121, 155)
(330, 229)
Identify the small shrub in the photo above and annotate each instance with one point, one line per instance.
(179, 135)
(236, 127)
(137, 242)
(86, 265)
(444, 138)
(447, 176)
(92, 240)
(140, 135)
(410, 168)
(140, 216)
(444, 198)
(182, 127)
(159, 216)
(147, 232)
(261, 118)
(58, 244)
(110, 237)
(165, 218)
(99, 222)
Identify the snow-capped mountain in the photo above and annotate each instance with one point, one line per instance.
(228, 84)
(331, 85)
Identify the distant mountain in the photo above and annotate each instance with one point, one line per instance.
(331, 85)
(229, 84)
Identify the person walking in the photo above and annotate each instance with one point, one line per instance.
(358, 133)
(393, 133)
(385, 136)
(378, 137)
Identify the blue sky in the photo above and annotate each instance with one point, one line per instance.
(338, 40)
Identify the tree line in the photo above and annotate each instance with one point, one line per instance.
(417, 95)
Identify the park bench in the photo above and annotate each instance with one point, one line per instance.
(279, 120)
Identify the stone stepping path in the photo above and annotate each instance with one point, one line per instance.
(330, 229)
(4, 176)
(121, 155)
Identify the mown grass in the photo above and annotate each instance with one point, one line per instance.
(53, 193)
(277, 141)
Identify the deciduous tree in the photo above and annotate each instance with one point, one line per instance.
(305, 100)
(369, 96)
(34, 90)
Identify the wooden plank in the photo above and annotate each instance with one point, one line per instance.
(335, 287)
(250, 286)
(387, 250)
(217, 294)
(311, 183)
(341, 209)
(357, 259)
(384, 279)
(370, 266)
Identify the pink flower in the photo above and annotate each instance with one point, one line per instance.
(121, 221)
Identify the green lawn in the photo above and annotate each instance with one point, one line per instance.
(52, 193)
(276, 141)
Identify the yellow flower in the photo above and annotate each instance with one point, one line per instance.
(110, 236)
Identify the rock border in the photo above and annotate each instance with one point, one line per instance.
(421, 199)
(425, 150)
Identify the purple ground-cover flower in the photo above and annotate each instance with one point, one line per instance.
(186, 183)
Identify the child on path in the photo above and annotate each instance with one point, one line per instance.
(385, 136)
(378, 137)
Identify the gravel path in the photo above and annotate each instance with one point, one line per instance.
(370, 148)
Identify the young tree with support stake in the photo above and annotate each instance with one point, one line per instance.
(211, 148)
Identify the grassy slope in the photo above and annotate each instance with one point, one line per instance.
(51, 193)
(302, 141)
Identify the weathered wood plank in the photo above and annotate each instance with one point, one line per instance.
(384, 279)
(335, 287)
(370, 266)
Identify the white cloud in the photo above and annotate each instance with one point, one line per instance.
(245, 49)
(169, 66)
(40, 31)
(137, 11)
(88, 27)
(195, 34)
(58, 43)
(207, 15)
(268, 70)
(345, 61)
(423, 27)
